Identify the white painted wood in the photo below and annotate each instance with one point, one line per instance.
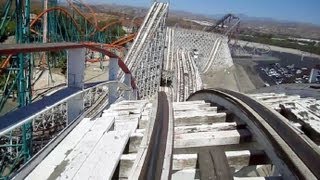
(186, 174)
(192, 108)
(73, 151)
(133, 102)
(104, 159)
(140, 131)
(145, 117)
(84, 148)
(135, 142)
(115, 113)
(129, 110)
(129, 157)
(143, 124)
(199, 119)
(128, 117)
(209, 138)
(187, 102)
(179, 162)
(126, 164)
(57, 155)
(121, 125)
(242, 158)
(141, 155)
(195, 114)
(258, 178)
(184, 161)
(206, 128)
(145, 112)
(189, 106)
(128, 106)
(195, 111)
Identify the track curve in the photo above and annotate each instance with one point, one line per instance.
(292, 148)
(77, 25)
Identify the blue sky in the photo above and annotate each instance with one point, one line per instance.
(292, 10)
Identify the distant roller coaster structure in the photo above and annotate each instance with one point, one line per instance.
(152, 108)
(53, 24)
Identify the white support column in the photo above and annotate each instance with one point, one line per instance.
(75, 107)
(75, 79)
(135, 94)
(314, 75)
(76, 66)
(127, 81)
(113, 72)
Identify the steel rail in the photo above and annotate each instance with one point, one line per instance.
(153, 164)
(9, 121)
(301, 155)
(5, 64)
(124, 40)
(77, 25)
(87, 6)
(40, 47)
(56, 9)
(307, 151)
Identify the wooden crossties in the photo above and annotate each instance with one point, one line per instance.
(206, 133)
(93, 148)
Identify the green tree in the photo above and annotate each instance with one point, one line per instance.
(11, 28)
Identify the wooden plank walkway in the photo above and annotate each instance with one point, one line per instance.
(92, 150)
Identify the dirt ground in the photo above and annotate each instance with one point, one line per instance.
(235, 78)
(95, 72)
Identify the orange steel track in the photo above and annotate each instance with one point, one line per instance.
(95, 23)
(5, 64)
(124, 40)
(115, 45)
(41, 47)
(96, 28)
(79, 11)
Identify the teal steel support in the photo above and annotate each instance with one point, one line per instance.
(6, 18)
(25, 73)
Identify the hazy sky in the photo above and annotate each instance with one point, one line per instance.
(293, 10)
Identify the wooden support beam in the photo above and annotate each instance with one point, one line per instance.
(185, 107)
(185, 174)
(180, 162)
(189, 119)
(105, 157)
(207, 128)
(135, 142)
(203, 110)
(247, 158)
(211, 138)
(184, 161)
(187, 102)
(258, 178)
